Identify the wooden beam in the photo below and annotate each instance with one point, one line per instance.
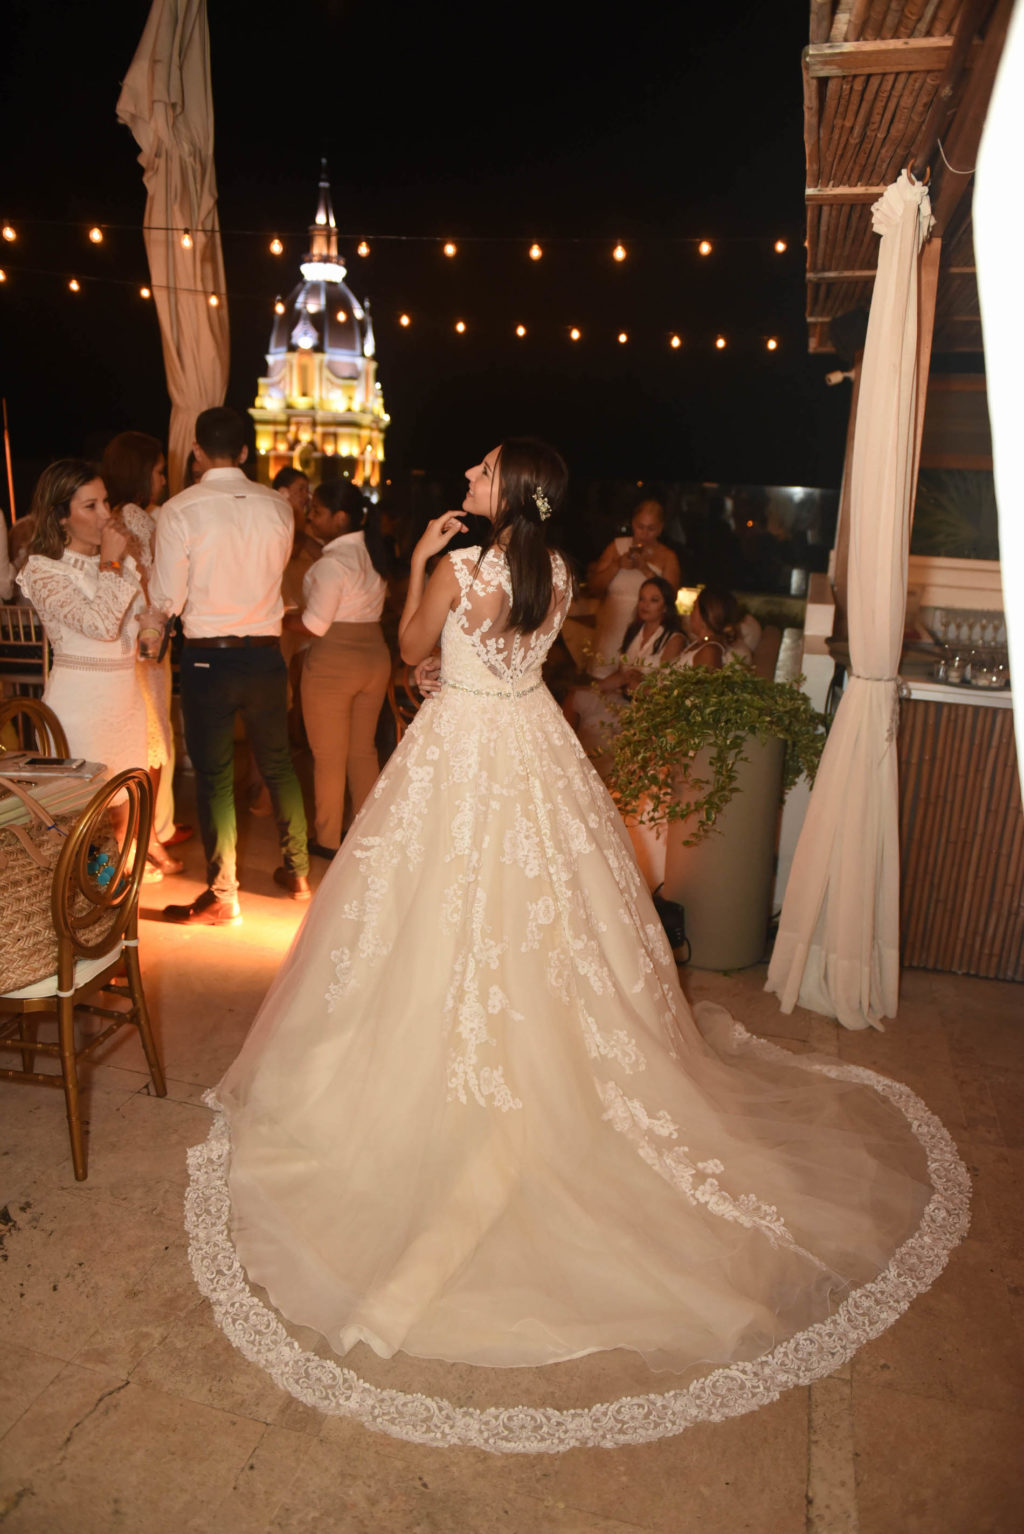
(886, 56)
(864, 274)
(963, 138)
(825, 196)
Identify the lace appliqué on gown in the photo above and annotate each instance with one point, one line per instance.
(330, 1387)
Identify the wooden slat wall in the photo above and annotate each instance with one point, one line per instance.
(961, 841)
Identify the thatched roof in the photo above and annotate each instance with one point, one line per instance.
(885, 81)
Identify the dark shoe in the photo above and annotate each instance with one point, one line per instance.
(297, 885)
(205, 911)
(321, 852)
(179, 834)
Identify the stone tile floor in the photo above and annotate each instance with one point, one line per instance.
(122, 1407)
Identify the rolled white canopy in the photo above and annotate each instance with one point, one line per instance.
(166, 101)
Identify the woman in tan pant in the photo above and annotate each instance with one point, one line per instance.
(345, 678)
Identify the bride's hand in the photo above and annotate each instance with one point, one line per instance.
(438, 534)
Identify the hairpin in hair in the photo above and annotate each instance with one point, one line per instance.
(542, 504)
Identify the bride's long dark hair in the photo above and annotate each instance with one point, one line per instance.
(531, 477)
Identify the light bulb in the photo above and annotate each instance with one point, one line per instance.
(145, 293)
(705, 247)
(520, 331)
(460, 326)
(450, 247)
(362, 249)
(404, 321)
(720, 343)
(535, 252)
(278, 307)
(772, 344)
(96, 234)
(276, 248)
(780, 247)
(623, 337)
(186, 241)
(213, 301)
(675, 342)
(3, 275)
(9, 232)
(342, 316)
(75, 285)
(574, 334)
(619, 253)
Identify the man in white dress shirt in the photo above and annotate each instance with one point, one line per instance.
(221, 548)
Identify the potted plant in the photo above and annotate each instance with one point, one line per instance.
(708, 756)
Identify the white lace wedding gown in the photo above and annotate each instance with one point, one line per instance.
(475, 1120)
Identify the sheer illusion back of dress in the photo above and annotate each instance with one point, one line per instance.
(476, 1121)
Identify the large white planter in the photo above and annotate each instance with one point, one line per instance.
(725, 881)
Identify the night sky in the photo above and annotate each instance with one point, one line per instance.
(576, 127)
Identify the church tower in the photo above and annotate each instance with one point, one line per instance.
(320, 407)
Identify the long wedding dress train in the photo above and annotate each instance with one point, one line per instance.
(475, 1120)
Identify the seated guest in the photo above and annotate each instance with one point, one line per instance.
(715, 625)
(654, 638)
(617, 576)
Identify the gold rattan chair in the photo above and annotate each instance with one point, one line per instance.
(24, 652)
(35, 728)
(94, 906)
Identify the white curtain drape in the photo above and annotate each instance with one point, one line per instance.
(837, 949)
(167, 103)
(998, 247)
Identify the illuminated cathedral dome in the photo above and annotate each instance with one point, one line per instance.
(320, 407)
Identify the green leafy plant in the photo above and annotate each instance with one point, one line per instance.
(678, 712)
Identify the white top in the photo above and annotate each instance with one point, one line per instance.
(342, 586)
(88, 613)
(221, 549)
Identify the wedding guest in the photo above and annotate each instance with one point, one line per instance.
(345, 678)
(221, 549)
(618, 575)
(715, 627)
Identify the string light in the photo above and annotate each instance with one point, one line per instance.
(720, 343)
(278, 306)
(675, 342)
(276, 248)
(705, 247)
(520, 331)
(623, 337)
(362, 249)
(619, 253)
(450, 247)
(96, 234)
(460, 326)
(75, 285)
(213, 301)
(404, 321)
(781, 247)
(145, 293)
(574, 334)
(342, 316)
(535, 252)
(772, 344)
(9, 232)
(186, 241)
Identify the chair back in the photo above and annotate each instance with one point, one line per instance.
(31, 717)
(403, 699)
(99, 872)
(24, 652)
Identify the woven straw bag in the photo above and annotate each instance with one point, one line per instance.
(28, 857)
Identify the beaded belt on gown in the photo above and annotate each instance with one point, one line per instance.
(488, 692)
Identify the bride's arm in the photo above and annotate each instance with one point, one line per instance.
(428, 603)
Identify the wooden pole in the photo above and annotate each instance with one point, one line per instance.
(10, 471)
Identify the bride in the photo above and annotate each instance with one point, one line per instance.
(475, 1119)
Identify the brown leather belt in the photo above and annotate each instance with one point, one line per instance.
(232, 642)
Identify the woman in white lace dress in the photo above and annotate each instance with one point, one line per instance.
(475, 1120)
(85, 588)
(134, 471)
